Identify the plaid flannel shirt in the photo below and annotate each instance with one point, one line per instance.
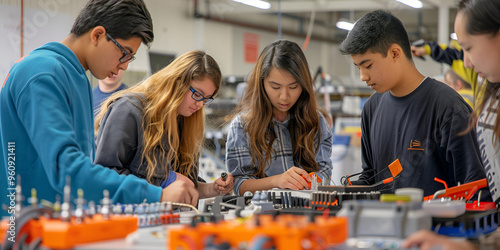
(239, 161)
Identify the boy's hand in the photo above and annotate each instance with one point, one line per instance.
(180, 191)
(181, 177)
(417, 51)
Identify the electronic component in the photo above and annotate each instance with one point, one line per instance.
(323, 199)
(464, 191)
(59, 227)
(395, 168)
(470, 224)
(280, 232)
(384, 219)
(315, 181)
(444, 208)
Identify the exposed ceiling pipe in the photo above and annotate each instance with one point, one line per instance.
(273, 30)
(280, 33)
(309, 30)
(197, 14)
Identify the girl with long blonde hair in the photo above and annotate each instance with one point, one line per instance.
(155, 129)
(277, 134)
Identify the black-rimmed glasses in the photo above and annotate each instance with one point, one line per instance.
(127, 57)
(197, 96)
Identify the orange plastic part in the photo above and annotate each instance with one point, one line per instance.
(465, 191)
(390, 179)
(59, 234)
(481, 206)
(285, 232)
(169, 218)
(317, 179)
(33, 229)
(4, 227)
(395, 168)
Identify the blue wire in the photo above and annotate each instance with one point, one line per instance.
(258, 242)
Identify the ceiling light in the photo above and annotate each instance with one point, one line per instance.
(255, 3)
(453, 36)
(344, 25)
(412, 3)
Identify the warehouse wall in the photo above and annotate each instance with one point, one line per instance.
(176, 31)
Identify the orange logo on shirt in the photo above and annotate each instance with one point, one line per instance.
(415, 145)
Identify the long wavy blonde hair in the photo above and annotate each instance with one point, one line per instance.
(164, 92)
(257, 110)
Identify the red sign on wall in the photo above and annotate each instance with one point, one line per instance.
(251, 47)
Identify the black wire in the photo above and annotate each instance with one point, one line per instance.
(36, 244)
(22, 241)
(387, 187)
(27, 214)
(377, 173)
(393, 183)
(345, 179)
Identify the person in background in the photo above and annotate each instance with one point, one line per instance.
(460, 85)
(411, 117)
(105, 87)
(451, 55)
(477, 26)
(46, 111)
(277, 134)
(155, 129)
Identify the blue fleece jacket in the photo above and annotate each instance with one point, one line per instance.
(47, 132)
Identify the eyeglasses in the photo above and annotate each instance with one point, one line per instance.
(197, 96)
(127, 57)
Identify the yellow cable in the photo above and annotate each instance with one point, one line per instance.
(186, 205)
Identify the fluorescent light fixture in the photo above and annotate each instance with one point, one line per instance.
(412, 3)
(344, 25)
(255, 3)
(453, 36)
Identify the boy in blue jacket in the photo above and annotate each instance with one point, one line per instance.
(46, 119)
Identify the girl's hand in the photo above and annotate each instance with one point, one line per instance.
(292, 179)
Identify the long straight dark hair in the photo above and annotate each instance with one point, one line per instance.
(483, 18)
(257, 109)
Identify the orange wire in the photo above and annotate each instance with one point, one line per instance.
(441, 181)
(388, 180)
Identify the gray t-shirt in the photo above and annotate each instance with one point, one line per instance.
(119, 139)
